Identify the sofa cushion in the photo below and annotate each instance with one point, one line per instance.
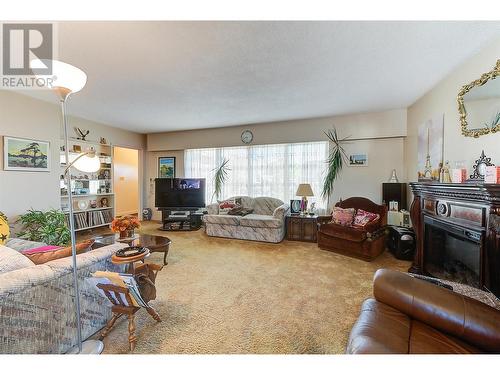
(44, 257)
(343, 232)
(260, 221)
(19, 244)
(11, 260)
(222, 219)
(343, 216)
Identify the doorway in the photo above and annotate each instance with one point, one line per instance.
(126, 181)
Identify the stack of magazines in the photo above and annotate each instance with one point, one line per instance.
(123, 280)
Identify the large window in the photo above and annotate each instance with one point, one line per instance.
(265, 170)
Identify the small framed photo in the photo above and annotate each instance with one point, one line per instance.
(29, 155)
(358, 160)
(295, 206)
(166, 167)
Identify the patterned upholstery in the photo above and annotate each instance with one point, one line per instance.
(37, 311)
(266, 223)
(11, 260)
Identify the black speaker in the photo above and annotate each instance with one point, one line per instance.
(401, 242)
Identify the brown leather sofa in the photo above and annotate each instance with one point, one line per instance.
(366, 243)
(412, 316)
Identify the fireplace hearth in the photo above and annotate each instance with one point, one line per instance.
(458, 233)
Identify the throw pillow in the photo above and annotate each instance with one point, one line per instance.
(44, 257)
(20, 245)
(4, 229)
(364, 217)
(11, 260)
(41, 249)
(343, 216)
(226, 206)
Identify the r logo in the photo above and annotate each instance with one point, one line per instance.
(23, 42)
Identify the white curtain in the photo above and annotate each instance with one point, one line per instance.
(263, 170)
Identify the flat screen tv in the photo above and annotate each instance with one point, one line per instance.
(180, 193)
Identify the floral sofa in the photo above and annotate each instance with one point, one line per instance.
(266, 223)
(37, 302)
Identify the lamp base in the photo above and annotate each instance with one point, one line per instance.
(88, 347)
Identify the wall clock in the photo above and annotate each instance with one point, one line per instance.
(480, 167)
(247, 136)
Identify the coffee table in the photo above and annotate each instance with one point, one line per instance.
(155, 244)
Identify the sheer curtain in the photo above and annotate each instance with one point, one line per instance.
(263, 170)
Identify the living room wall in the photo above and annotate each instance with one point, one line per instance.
(443, 99)
(380, 135)
(26, 117)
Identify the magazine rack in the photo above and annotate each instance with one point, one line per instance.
(123, 304)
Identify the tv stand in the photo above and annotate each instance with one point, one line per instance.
(180, 220)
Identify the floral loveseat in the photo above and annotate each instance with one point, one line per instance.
(37, 302)
(266, 223)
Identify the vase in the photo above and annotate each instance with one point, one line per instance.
(127, 233)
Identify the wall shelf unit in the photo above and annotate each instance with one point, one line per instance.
(93, 196)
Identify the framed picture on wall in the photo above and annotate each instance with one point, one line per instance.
(358, 160)
(166, 167)
(29, 155)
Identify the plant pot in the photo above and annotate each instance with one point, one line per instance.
(127, 233)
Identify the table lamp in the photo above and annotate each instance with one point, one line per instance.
(304, 191)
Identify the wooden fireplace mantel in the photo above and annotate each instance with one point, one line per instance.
(469, 205)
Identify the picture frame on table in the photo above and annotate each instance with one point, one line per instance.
(166, 167)
(295, 206)
(25, 154)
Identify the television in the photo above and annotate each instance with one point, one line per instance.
(180, 193)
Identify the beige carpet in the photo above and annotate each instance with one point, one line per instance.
(231, 296)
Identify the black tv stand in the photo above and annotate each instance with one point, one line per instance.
(180, 220)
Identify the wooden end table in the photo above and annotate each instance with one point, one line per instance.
(302, 228)
(155, 244)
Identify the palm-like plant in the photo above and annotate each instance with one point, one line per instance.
(335, 162)
(220, 177)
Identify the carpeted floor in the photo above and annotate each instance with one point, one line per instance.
(231, 296)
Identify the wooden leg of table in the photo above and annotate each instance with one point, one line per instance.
(110, 325)
(153, 313)
(132, 339)
(165, 258)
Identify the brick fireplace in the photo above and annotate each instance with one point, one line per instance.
(458, 233)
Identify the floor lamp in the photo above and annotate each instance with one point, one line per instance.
(66, 80)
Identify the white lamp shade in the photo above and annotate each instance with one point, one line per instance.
(304, 190)
(86, 163)
(63, 75)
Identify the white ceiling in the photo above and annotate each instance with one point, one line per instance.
(164, 76)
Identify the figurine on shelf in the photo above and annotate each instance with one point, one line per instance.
(445, 173)
(103, 141)
(82, 133)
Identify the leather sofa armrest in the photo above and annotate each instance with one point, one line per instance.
(373, 226)
(213, 209)
(455, 314)
(324, 219)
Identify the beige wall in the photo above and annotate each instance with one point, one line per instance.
(126, 180)
(383, 134)
(442, 99)
(25, 117)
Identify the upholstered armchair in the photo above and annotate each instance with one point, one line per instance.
(365, 243)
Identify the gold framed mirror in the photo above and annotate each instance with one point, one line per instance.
(479, 105)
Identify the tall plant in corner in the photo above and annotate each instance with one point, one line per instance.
(336, 158)
(220, 177)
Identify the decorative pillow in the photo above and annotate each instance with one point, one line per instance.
(11, 260)
(4, 228)
(20, 245)
(364, 217)
(41, 249)
(226, 206)
(343, 216)
(47, 256)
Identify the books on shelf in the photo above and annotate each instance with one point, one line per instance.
(92, 218)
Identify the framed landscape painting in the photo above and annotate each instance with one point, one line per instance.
(30, 155)
(166, 167)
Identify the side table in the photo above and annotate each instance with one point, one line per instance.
(302, 228)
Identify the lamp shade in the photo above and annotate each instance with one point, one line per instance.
(86, 163)
(63, 75)
(304, 190)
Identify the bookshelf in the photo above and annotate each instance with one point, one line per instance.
(93, 196)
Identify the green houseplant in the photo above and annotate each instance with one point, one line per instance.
(220, 177)
(49, 227)
(336, 159)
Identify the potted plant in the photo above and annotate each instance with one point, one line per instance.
(335, 161)
(49, 227)
(125, 226)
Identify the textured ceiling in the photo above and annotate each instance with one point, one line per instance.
(165, 76)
